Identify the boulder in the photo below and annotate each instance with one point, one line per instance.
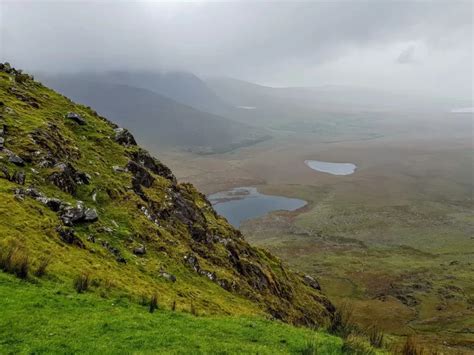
(90, 215)
(76, 118)
(192, 262)
(141, 176)
(71, 215)
(124, 137)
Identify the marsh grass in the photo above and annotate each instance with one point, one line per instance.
(15, 260)
(81, 283)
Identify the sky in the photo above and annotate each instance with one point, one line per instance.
(410, 46)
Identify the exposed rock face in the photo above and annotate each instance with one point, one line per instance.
(67, 178)
(15, 159)
(124, 137)
(76, 118)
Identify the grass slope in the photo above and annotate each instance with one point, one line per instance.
(48, 318)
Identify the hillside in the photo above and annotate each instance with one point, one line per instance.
(158, 120)
(80, 201)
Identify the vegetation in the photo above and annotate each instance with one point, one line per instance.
(47, 317)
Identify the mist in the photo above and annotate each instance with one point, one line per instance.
(422, 47)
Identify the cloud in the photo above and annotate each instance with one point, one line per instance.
(269, 42)
(407, 56)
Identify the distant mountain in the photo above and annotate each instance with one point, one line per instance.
(306, 101)
(156, 120)
(183, 87)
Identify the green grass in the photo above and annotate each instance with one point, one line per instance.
(45, 317)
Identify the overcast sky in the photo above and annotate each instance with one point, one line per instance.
(400, 45)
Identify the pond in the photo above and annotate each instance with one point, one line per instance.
(331, 168)
(244, 203)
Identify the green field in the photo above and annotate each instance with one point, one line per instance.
(44, 317)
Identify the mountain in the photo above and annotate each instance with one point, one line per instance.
(157, 120)
(85, 208)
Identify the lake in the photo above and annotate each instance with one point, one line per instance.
(331, 168)
(244, 203)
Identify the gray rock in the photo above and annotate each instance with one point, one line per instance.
(118, 169)
(76, 118)
(124, 137)
(311, 282)
(15, 159)
(68, 236)
(90, 215)
(2, 143)
(168, 276)
(19, 177)
(140, 250)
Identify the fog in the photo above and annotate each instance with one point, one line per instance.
(395, 45)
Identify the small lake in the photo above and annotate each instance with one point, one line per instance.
(243, 203)
(331, 168)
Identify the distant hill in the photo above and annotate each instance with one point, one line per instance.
(157, 120)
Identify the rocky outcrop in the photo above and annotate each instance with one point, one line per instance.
(66, 177)
(124, 137)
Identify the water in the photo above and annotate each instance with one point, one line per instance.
(331, 168)
(243, 203)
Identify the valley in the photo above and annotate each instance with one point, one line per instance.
(393, 239)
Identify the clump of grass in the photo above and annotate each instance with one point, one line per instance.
(153, 303)
(412, 347)
(81, 283)
(375, 336)
(15, 261)
(43, 265)
(310, 348)
(173, 306)
(193, 309)
(342, 323)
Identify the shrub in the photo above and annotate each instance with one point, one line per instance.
(43, 265)
(153, 303)
(81, 283)
(15, 261)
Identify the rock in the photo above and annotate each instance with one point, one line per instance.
(6, 173)
(124, 137)
(311, 282)
(140, 250)
(76, 118)
(68, 236)
(15, 159)
(118, 169)
(168, 276)
(83, 178)
(141, 176)
(65, 178)
(2, 143)
(142, 157)
(54, 204)
(210, 275)
(90, 215)
(19, 177)
(3, 130)
(192, 261)
(71, 215)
